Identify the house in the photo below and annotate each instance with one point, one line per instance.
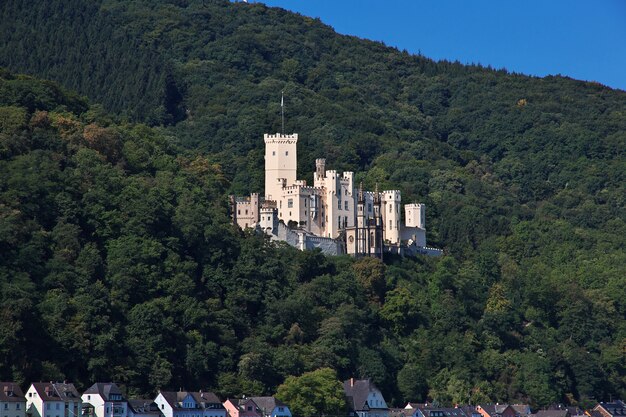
(522, 410)
(53, 399)
(189, 404)
(553, 413)
(12, 400)
(431, 411)
(400, 412)
(364, 399)
(104, 399)
(242, 407)
(572, 410)
(496, 410)
(143, 408)
(612, 409)
(470, 411)
(271, 407)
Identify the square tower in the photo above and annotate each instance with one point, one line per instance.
(280, 162)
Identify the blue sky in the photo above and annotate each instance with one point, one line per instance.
(581, 39)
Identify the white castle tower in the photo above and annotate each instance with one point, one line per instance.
(415, 215)
(391, 215)
(280, 163)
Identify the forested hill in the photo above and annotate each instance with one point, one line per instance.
(117, 261)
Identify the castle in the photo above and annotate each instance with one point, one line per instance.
(331, 215)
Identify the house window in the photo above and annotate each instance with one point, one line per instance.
(58, 406)
(249, 408)
(47, 406)
(88, 397)
(290, 203)
(17, 406)
(30, 394)
(6, 406)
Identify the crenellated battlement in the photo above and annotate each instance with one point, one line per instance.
(281, 138)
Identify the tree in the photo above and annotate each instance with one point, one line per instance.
(314, 393)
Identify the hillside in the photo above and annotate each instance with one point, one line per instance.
(522, 177)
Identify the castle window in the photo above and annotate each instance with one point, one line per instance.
(290, 203)
(273, 153)
(246, 211)
(390, 224)
(346, 205)
(369, 206)
(372, 239)
(286, 153)
(390, 208)
(339, 204)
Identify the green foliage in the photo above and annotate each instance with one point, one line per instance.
(313, 393)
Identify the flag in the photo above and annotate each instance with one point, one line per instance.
(281, 99)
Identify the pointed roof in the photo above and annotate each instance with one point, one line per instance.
(175, 398)
(56, 391)
(267, 404)
(357, 391)
(105, 389)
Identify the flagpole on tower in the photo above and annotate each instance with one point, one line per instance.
(282, 111)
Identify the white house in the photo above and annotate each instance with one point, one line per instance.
(189, 404)
(364, 399)
(104, 399)
(12, 400)
(52, 399)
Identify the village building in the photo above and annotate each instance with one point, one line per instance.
(242, 407)
(53, 399)
(271, 407)
(615, 408)
(364, 399)
(140, 407)
(12, 400)
(189, 404)
(104, 399)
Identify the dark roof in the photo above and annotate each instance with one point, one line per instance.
(357, 391)
(615, 408)
(442, 412)
(175, 398)
(267, 404)
(469, 410)
(552, 413)
(521, 409)
(493, 409)
(11, 392)
(104, 389)
(144, 406)
(56, 391)
(400, 412)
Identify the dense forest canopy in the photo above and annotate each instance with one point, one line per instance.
(117, 260)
